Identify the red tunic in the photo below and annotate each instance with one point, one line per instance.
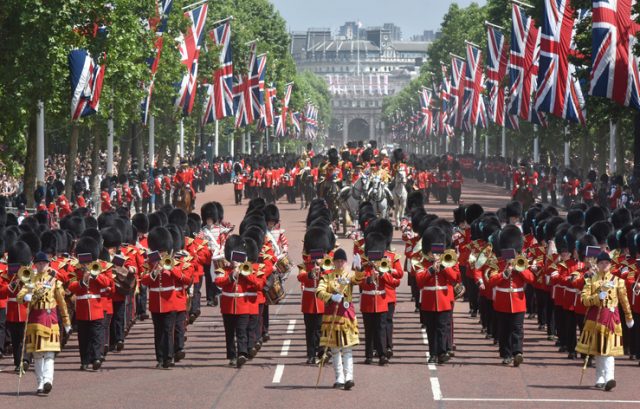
(436, 290)
(310, 303)
(238, 297)
(509, 292)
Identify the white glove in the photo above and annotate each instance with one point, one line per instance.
(336, 297)
(357, 262)
(27, 297)
(602, 295)
(67, 329)
(630, 324)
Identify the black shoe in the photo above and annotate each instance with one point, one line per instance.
(368, 361)
(47, 387)
(266, 337)
(96, 364)
(215, 301)
(432, 359)
(258, 346)
(517, 360)
(383, 360)
(443, 358)
(610, 385)
(338, 385)
(209, 303)
(389, 353)
(233, 362)
(253, 352)
(551, 338)
(166, 364)
(179, 356)
(119, 346)
(562, 349)
(310, 360)
(474, 314)
(84, 367)
(451, 353)
(572, 355)
(348, 385)
(26, 365)
(507, 361)
(192, 318)
(600, 385)
(241, 361)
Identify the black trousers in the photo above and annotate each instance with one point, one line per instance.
(438, 326)
(106, 329)
(472, 292)
(511, 332)
(209, 286)
(570, 336)
(141, 300)
(197, 296)
(486, 311)
(180, 330)
(415, 291)
(255, 327)
(236, 334)
(389, 328)
(541, 305)
(117, 323)
(529, 293)
(558, 315)
(312, 325)
(238, 196)
(455, 195)
(375, 333)
(3, 328)
(265, 319)
(163, 329)
(16, 330)
(635, 337)
(90, 334)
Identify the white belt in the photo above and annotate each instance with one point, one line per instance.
(436, 288)
(162, 289)
(311, 289)
(236, 295)
(509, 290)
(373, 292)
(570, 290)
(13, 299)
(88, 296)
(104, 290)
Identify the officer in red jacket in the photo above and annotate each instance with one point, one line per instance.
(146, 193)
(183, 262)
(317, 246)
(240, 285)
(105, 197)
(238, 186)
(456, 183)
(18, 255)
(510, 302)
(161, 277)
(86, 283)
(64, 207)
(436, 283)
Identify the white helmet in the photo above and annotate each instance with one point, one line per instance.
(383, 152)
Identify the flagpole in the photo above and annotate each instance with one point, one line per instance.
(110, 145)
(196, 4)
(181, 138)
(152, 143)
(486, 145)
(40, 144)
(522, 4)
(224, 20)
(473, 140)
(612, 147)
(486, 23)
(536, 145)
(504, 126)
(216, 138)
(567, 146)
(266, 137)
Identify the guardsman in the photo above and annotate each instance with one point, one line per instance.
(18, 256)
(105, 197)
(456, 183)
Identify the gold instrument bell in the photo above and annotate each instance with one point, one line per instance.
(94, 269)
(449, 258)
(167, 263)
(25, 274)
(383, 265)
(245, 268)
(327, 263)
(520, 263)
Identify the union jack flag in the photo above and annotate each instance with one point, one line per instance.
(268, 116)
(242, 102)
(158, 23)
(295, 120)
(614, 69)
(457, 91)
(523, 65)
(190, 52)
(311, 120)
(558, 89)
(496, 71)
(256, 81)
(86, 84)
(426, 126)
(473, 102)
(281, 120)
(219, 103)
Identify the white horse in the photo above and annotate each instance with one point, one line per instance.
(399, 196)
(352, 196)
(377, 194)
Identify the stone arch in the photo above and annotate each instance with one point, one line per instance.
(358, 129)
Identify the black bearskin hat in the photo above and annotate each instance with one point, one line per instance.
(19, 253)
(514, 209)
(594, 214)
(510, 238)
(459, 215)
(32, 240)
(621, 217)
(271, 213)
(177, 237)
(382, 226)
(111, 237)
(88, 245)
(178, 217)
(317, 238)
(581, 245)
(575, 217)
(414, 200)
(160, 239)
(374, 242)
(432, 235)
(253, 250)
(233, 243)
(209, 211)
(75, 226)
(140, 222)
(601, 231)
(49, 242)
(473, 212)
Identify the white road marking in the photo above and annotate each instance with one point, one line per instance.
(435, 388)
(292, 325)
(431, 366)
(278, 374)
(533, 399)
(285, 347)
(425, 338)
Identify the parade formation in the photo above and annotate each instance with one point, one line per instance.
(256, 250)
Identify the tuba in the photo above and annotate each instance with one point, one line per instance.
(483, 256)
(92, 269)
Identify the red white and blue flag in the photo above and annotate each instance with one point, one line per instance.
(558, 91)
(497, 59)
(614, 68)
(268, 114)
(426, 126)
(86, 84)
(281, 120)
(474, 111)
(242, 101)
(295, 120)
(219, 102)
(189, 53)
(457, 91)
(158, 24)
(257, 85)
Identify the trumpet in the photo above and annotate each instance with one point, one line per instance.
(449, 258)
(383, 265)
(245, 268)
(167, 263)
(520, 263)
(327, 263)
(92, 271)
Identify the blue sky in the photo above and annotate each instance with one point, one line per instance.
(413, 16)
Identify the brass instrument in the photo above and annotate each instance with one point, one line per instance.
(92, 271)
(327, 263)
(245, 268)
(383, 265)
(483, 256)
(449, 258)
(416, 264)
(167, 263)
(520, 263)
(25, 275)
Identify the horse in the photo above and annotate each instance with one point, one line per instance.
(377, 194)
(183, 197)
(305, 187)
(525, 197)
(351, 196)
(328, 190)
(399, 196)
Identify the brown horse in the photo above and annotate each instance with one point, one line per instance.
(183, 198)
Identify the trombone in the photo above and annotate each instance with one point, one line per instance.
(93, 269)
(383, 265)
(245, 269)
(520, 263)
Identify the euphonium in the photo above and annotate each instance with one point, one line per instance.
(520, 263)
(245, 268)
(449, 258)
(482, 258)
(327, 263)
(383, 265)
(25, 274)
